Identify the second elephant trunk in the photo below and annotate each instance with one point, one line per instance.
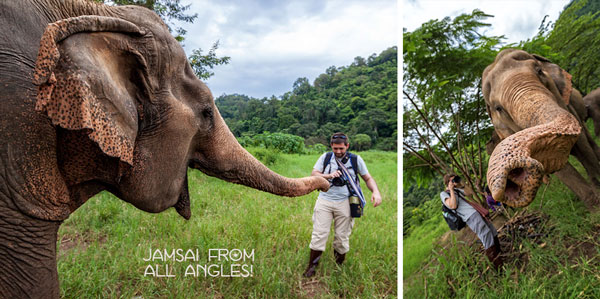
(519, 162)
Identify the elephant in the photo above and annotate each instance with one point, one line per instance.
(592, 104)
(95, 98)
(538, 118)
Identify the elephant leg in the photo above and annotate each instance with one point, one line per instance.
(582, 189)
(596, 120)
(28, 259)
(593, 144)
(585, 154)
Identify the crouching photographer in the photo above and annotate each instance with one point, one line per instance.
(454, 198)
(342, 203)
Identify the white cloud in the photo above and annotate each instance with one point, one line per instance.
(272, 46)
(516, 20)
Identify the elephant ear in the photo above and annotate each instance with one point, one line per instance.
(90, 77)
(565, 86)
(561, 78)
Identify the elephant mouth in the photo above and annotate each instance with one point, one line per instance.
(183, 202)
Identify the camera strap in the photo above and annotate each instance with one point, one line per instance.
(353, 185)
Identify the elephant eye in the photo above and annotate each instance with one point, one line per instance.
(539, 71)
(499, 108)
(207, 113)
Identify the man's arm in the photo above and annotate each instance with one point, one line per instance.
(451, 201)
(326, 176)
(372, 185)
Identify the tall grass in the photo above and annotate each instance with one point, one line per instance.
(104, 242)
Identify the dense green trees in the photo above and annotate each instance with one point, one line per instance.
(360, 99)
(445, 122)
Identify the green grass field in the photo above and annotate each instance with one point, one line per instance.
(563, 264)
(102, 246)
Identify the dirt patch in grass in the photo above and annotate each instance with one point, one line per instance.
(587, 249)
(77, 242)
(313, 289)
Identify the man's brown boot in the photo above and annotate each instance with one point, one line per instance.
(339, 257)
(493, 254)
(315, 256)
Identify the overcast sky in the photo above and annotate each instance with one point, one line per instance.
(516, 20)
(272, 43)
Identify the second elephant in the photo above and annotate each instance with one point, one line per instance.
(592, 104)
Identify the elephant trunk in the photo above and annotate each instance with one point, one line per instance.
(223, 157)
(518, 164)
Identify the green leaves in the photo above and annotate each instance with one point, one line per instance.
(202, 64)
(285, 143)
(444, 111)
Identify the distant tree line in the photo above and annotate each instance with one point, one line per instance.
(359, 99)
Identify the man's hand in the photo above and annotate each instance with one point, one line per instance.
(335, 175)
(450, 184)
(376, 199)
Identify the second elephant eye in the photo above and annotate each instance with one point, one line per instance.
(539, 71)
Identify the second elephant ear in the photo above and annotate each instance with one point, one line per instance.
(91, 72)
(561, 78)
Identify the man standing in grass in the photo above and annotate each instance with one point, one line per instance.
(333, 204)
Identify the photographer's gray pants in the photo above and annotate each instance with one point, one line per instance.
(485, 230)
(325, 211)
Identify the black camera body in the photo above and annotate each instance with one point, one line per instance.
(456, 179)
(339, 181)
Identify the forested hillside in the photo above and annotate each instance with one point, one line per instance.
(359, 99)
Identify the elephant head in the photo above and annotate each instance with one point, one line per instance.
(125, 82)
(526, 97)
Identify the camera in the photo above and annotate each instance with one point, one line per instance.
(456, 179)
(339, 181)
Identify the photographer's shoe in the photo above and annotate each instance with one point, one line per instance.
(493, 254)
(313, 262)
(339, 257)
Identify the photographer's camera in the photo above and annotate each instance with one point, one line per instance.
(339, 181)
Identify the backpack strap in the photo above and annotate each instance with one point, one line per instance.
(458, 194)
(327, 160)
(354, 163)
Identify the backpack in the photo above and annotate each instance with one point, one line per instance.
(451, 216)
(353, 162)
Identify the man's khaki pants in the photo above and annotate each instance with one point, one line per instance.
(325, 211)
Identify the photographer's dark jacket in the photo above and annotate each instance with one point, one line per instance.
(464, 209)
(337, 193)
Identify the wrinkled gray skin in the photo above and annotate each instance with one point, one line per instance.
(100, 104)
(592, 104)
(537, 118)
